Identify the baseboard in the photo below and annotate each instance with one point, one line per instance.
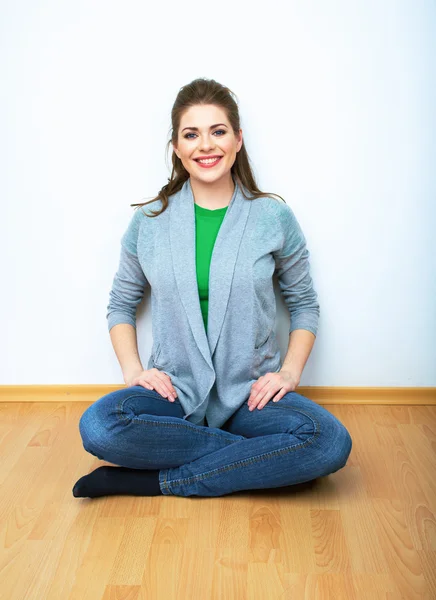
(319, 394)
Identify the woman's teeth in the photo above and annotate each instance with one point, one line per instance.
(208, 162)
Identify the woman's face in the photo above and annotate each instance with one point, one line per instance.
(205, 131)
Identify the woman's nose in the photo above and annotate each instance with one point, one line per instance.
(206, 143)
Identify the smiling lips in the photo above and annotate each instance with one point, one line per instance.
(207, 163)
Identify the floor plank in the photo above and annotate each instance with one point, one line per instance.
(366, 531)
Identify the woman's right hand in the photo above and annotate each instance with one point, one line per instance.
(153, 379)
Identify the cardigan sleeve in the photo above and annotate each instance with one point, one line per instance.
(293, 274)
(129, 282)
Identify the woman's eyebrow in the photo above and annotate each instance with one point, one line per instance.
(211, 127)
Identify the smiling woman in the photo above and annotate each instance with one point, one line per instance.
(208, 153)
(205, 125)
(186, 423)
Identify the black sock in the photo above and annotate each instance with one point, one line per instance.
(111, 481)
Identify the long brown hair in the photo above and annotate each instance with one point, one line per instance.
(206, 91)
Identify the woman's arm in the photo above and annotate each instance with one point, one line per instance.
(300, 346)
(126, 294)
(125, 344)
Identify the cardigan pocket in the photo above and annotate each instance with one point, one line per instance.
(259, 346)
(265, 358)
(159, 360)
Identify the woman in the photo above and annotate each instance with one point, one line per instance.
(214, 412)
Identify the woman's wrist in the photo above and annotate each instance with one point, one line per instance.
(131, 372)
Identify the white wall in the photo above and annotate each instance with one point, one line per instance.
(337, 102)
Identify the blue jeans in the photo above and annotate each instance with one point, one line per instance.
(285, 443)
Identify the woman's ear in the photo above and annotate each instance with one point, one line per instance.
(239, 145)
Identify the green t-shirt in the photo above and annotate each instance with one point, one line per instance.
(207, 224)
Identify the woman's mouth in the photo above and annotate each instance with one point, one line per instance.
(208, 163)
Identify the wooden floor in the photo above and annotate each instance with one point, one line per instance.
(367, 531)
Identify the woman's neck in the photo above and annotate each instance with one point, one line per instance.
(212, 195)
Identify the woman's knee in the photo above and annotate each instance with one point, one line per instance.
(95, 422)
(333, 443)
(341, 446)
(334, 440)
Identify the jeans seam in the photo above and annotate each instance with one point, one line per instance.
(121, 417)
(252, 459)
(177, 425)
(165, 482)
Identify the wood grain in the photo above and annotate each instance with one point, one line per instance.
(367, 531)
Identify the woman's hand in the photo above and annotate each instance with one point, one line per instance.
(153, 379)
(269, 384)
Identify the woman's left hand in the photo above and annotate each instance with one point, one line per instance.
(272, 384)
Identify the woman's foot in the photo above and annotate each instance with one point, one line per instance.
(118, 481)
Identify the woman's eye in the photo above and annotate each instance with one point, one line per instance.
(217, 131)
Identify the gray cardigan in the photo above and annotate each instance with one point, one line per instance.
(213, 372)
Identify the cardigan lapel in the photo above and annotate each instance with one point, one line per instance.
(222, 266)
